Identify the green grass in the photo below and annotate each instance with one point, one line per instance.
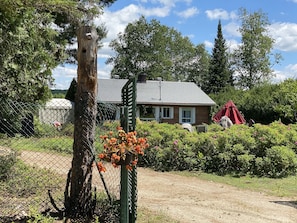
(283, 187)
(24, 181)
(62, 145)
(147, 216)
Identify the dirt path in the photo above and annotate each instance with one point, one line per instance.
(188, 199)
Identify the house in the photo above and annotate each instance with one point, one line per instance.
(164, 101)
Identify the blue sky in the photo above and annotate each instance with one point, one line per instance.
(198, 19)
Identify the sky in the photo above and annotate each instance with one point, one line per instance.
(198, 20)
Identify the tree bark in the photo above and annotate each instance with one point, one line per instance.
(80, 200)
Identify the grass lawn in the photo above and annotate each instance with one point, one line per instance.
(283, 187)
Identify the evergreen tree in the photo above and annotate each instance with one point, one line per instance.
(220, 73)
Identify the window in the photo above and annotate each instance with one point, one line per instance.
(167, 112)
(187, 115)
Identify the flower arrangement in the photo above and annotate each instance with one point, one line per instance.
(121, 148)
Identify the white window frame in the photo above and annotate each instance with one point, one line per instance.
(170, 113)
(192, 111)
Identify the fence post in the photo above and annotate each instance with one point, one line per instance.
(129, 178)
(124, 177)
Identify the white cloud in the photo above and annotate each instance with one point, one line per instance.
(217, 14)
(190, 12)
(285, 36)
(232, 44)
(63, 76)
(208, 44)
(221, 14)
(103, 72)
(231, 30)
(66, 71)
(290, 71)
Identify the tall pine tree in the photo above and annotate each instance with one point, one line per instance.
(220, 74)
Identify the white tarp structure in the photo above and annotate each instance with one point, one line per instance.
(57, 110)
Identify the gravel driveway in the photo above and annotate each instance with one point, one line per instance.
(189, 199)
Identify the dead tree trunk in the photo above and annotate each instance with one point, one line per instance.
(80, 199)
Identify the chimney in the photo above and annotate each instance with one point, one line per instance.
(141, 78)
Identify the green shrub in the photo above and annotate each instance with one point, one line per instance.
(7, 160)
(280, 161)
(262, 150)
(44, 130)
(67, 129)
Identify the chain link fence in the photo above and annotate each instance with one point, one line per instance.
(36, 153)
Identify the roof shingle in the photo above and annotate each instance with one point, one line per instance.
(155, 92)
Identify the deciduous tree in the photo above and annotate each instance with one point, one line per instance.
(154, 49)
(33, 39)
(253, 59)
(199, 71)
(285, 100)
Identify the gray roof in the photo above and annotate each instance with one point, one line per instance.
(155, 92)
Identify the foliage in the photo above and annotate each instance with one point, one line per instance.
(285, 100)
(21, 181)
(34, 36)
(7, 160)
(59, 93)
(154, 49)
(220, 73)
(36, 217)
(252, 60)
(262, 150)
(280, 161)
(200, 75)
(258, 103)
(26, 60)
(121, 148)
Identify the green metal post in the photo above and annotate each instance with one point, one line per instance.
(129, 178)
(124, 181)
(124, 195)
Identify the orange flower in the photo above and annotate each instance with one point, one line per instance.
(101, 167)
(115, 157)
(116, 146)
(114, 165)
(101, 156)
(103, 137)
(128, 167)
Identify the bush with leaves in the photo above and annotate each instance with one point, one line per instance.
(262, 150)
(7, 160)
(280, 161)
